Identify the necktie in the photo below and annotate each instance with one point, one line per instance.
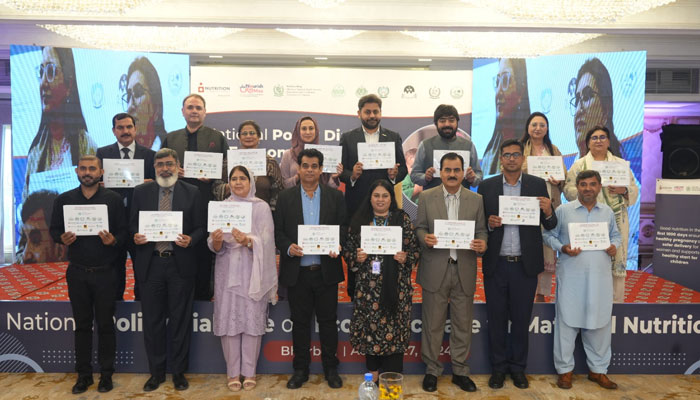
(164, 205)
(452, 215)
(125, 150)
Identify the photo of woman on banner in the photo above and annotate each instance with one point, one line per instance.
(62, 137)
(512, 109)
(143, 99)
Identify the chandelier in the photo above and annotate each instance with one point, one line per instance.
(321, 37)
(322, 3)
(83, 7)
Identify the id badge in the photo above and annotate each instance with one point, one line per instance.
(376, 267)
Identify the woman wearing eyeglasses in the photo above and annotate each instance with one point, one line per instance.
(618, 198)
(268, 186)
(512, 110)
(62, 137)
(144, 100)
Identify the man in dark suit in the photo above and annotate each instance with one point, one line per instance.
(311, 280)
(358, 180)
(166, 270)
(124, 129)
(511, 264)
(197, 137)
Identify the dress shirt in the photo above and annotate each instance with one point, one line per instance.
(452, 211)
(311, 208)
(369, 138)
(511, 233)
(131, 147)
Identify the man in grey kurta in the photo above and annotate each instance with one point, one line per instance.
(584, 286)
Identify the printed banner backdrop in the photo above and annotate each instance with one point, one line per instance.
(647, 339)
(63, 101)
(277, 97)
(677, 239)
(610, 92)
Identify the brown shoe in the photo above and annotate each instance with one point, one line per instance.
(602, 380)
(564, 381)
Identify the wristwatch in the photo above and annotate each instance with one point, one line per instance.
(250, 244)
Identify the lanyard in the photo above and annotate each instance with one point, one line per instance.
(386, 221)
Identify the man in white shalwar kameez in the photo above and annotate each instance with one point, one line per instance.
(584, 286)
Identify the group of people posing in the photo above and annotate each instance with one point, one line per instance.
(171, 274)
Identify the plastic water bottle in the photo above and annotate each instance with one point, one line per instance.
(368, 390)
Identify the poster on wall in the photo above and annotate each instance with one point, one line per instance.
(575, 92)
(63, 101)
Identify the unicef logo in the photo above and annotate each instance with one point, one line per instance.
(338, 91)
(361, 91)
(434, 92)
(457, 92)
(383, 92)
(278, 90)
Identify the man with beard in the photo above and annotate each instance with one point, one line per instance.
(124, 129)
(166, 270)
(423, 173)
(357, 180)
(584, 285)
(90, 275)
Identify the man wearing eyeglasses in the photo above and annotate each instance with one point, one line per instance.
(124, 129)
(197, 137)
(165, 270)
(424, 173)
(511, 264)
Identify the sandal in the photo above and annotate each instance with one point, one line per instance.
(249, 383)
(234, 384)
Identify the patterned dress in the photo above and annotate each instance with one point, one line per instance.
(373, 330)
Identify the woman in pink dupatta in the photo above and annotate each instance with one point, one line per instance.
(245, 281)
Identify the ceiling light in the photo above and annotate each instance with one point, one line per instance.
(216, 56)
(569, 11)
(425, 59)
(142, 38)
(321, 37)
(322, 3)
(75, 6)
(320, 58)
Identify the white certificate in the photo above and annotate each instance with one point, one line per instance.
(201, 164)
(318, 239)
(453, 234)
(332, 155)
(519, 210)
(589, 235)
(546, 166)
(122, 173)
(226, 215)
(160, 226)
(85, 220)
(254, 160)
(437, 156)
(381, 239)
(613, 173)
(59, 180)
(376, 155)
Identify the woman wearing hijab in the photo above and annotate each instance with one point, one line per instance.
(245, 281)
(379, 328)
(305, 131)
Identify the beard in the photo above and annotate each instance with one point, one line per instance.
(370, 123)
(447, 132)
(89, 181)
(166, 181)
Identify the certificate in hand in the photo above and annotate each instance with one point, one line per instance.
(376, 155)
(546, 167)
(437, 156)
(318, 239)
(453, 234)
(519, 210)
(122, 173)
(381, 239)
(85, 220)
(226, 215)
(201, 164)
(613, 173)
(253, 159)
(160, 226)
(332, 155)
(589, 235)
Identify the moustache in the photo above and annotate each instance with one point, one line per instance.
(452, 178)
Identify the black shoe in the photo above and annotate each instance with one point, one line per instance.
(82, 384)
(519, 380)
(464, 383)
(152, 383)
(496, 380)
(105, 384)
(430, 383)
(297, 379)
(333, 379)
(180, 382)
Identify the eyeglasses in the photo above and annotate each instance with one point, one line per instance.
(248, 133)
(600, 138)
(168, 164)
(136, 93)
(502, 80)
(48, 70)
(583, 98)
(511, 155)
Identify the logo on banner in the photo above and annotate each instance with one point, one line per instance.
(175, 82)
(200, 88)
(361, 91)
(217, 90)
(434, 92)
(457, 92)
(383, 92)
(249, 90)
(278, 90)
(409, 92)
(338, 91)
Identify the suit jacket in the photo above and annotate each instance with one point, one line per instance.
(289, 215)
(185, 199)
(530, 236)
(141, 153)
(433, 263)
(349, 140)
